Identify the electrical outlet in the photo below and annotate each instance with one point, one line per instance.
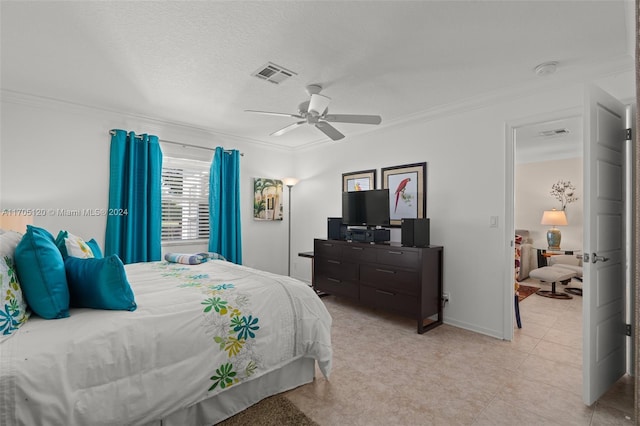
(445, 298)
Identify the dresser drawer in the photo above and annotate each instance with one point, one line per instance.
(337, 286)
(327, 249)
(389, 300)
(389, 278)
(358, 253)
(398, 257)
(335, 268)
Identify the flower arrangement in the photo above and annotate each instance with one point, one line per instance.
(563, 192)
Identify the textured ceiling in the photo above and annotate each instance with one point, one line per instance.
(190, 62)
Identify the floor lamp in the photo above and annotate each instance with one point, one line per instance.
(290, 182)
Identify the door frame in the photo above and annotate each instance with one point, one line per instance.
(633, 303)
(510, 139)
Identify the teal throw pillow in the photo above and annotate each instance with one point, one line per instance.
(59, 242)
(41, 274)
(99, 283)
(95, 248)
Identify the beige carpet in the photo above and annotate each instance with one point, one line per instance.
(273, 411)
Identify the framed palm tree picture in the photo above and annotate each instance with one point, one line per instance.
(267, 199)
(407, 185)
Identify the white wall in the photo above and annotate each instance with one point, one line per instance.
(465, 153)
(533, 184)
(55, 155)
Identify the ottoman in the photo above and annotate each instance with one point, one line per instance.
(553, 274)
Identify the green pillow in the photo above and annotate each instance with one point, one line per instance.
(42, 274)
(99, 283)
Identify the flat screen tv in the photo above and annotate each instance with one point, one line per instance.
(366, 208)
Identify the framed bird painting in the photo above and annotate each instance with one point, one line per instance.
(407, 185)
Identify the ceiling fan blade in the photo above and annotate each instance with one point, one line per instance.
(280, 114)
(319, 104)
(329, 130)
(353, 118)
(287, 128)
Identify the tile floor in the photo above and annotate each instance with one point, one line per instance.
(386, 374)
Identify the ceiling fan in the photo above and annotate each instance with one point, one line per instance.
(315, 112)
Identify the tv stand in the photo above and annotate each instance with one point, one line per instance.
(390, 277)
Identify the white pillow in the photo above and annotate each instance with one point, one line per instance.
(77, 247)
(13, 308)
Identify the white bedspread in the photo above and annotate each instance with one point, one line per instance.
(198, 330)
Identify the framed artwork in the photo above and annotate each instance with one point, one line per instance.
(267, 199)
(407, 185)
(359, 181)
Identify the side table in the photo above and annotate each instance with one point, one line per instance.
(309, 254)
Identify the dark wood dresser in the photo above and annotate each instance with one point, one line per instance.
(403, 280)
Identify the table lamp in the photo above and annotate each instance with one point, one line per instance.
(554, 218)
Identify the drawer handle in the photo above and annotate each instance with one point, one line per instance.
(357, 248)
(334, 280)
(386, 271)
(333, 261)
(388, 293)
(327, 245)
(394, 252)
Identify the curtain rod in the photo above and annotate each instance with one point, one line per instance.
(195, 146)
(111, 132)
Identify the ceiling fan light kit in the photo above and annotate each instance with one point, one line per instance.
(315, 112)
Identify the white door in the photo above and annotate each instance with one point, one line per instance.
(603, 346)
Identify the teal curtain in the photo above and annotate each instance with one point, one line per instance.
(134, 222)
(225, 235)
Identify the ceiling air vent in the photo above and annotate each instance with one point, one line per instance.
(273, 73)
(555, 132)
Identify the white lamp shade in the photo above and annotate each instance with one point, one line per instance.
(554, 218)
(290, 181)
(16, 223)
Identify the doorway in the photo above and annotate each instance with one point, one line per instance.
(549, 155)
(520, 140)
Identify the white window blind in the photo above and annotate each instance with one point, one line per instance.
(185, 199)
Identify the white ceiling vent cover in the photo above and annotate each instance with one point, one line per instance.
(273, 73)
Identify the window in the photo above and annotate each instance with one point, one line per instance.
(185, 199)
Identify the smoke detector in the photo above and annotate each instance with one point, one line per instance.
(546, 68)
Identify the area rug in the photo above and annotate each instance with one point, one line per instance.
(525, 291)
(273, 411)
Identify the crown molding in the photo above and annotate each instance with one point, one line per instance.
(152, 124)
(566, 75)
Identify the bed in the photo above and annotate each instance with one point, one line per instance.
(204, 342)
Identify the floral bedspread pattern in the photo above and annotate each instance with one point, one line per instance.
(227, 318)
(198, 330)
